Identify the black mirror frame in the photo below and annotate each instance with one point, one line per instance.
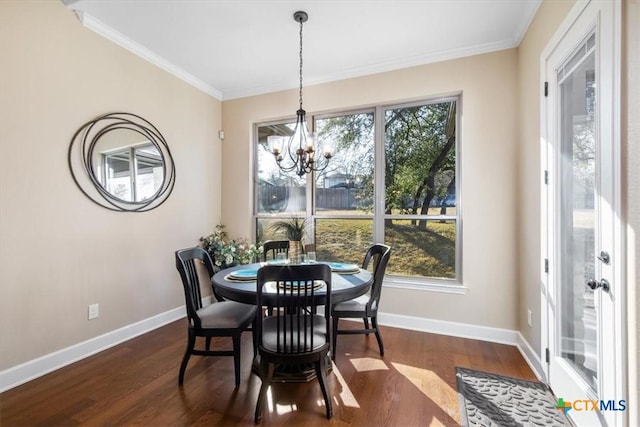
(81, 151)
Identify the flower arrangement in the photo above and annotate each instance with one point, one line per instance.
(226, 252)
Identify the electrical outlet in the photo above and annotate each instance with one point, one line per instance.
(94, 311)
(529, 317)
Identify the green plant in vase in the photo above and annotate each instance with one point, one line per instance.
(292, 229)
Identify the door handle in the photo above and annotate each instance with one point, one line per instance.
(604, 284)
(604, 257)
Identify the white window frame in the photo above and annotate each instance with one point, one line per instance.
(452, 286)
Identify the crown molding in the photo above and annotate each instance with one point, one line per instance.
(120, 39)
(382, 67)
(445, 55)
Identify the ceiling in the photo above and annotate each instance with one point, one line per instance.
(232, 49)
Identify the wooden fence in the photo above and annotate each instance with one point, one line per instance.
(280, 198)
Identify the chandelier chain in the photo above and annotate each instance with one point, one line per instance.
(301, 64)
(299, 154)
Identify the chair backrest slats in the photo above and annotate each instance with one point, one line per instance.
(186, 265)
(272, 247)
(194, 283)
(295, 292)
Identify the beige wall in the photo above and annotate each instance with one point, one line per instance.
(59, 251)
(488, 87)
(546, 22)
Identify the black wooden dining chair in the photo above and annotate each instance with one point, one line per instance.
(295, 334)
(216, 268)
(273, 247)
(270, 250)
(220, 319)
(364, 307)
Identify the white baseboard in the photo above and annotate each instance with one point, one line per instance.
(532, 358)
(463, 330)
(35, 368)
(32, 369)
(442, 327)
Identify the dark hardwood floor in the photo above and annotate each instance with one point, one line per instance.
(136, 383)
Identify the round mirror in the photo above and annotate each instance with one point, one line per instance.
(127, 163)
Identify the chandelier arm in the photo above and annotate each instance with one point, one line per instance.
(293, 149)
(291, 152)
(287, 168)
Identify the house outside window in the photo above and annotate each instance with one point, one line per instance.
(394, 179)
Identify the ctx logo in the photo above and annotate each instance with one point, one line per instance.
(591, 405)
(563, 406)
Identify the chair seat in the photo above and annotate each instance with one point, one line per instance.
(270, 334)
(226, 314)
(356, 304)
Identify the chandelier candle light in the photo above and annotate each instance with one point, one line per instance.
(299, 153)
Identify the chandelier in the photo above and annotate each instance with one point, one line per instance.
(299, 153)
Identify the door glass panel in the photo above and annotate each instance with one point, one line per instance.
(578, 312)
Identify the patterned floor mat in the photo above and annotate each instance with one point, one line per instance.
(495, 400)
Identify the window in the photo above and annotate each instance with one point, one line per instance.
(132, 180)
(420, 218)
(394, 179)
(344, 192)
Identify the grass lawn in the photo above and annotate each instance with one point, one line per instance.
(415, 251)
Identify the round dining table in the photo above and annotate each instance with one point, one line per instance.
(344, 286)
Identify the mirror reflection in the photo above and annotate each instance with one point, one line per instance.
(127, 165)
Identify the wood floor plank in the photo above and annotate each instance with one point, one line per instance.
(135, 383)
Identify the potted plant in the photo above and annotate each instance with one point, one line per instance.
(293, 229)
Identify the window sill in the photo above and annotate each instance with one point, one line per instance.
(447, 287)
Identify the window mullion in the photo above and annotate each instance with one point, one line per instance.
(133, 172)
(378, 183)
(310, 184)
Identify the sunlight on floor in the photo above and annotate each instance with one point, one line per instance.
(363, 364)
(436, 423)
(346, 397)
(432, 386)
(280, 409)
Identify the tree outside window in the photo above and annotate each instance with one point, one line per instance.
(414, 170)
